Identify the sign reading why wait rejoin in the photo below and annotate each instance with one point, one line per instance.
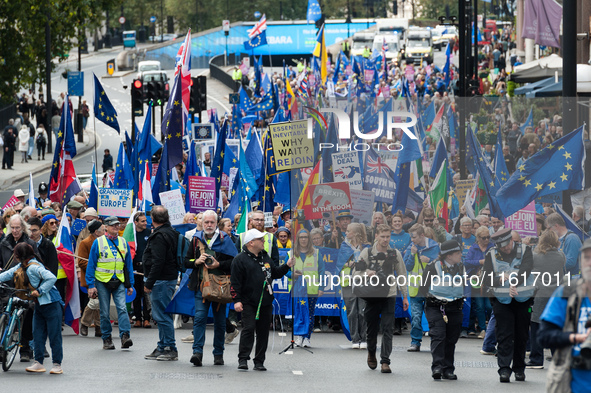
(345, 167)
(173, 201)
(201, 194)
(524, 221)
(329, 197)
(291, 147)
(114, 202)
(463, 187)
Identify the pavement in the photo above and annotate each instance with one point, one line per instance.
(330, 366)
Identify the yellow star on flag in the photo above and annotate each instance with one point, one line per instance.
(568, 167)
(564, 177)
(550, 146)
(521, 178)
(566, 155)
(521, 168)
(560, 147)
(178, 134)
(538, 186)
(552, 185)
(527, 183)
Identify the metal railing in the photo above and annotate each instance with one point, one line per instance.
(217, 71)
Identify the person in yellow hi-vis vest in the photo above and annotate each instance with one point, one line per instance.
(355, 242)
(366, 52)
(417, 256)
(308, 276)
(237, 74)
(256, 220)
(106, 276)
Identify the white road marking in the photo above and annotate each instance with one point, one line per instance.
(297, 372)
(221, 103)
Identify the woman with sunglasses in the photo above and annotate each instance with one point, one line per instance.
(50, 226)
(474, 262)
(308, 272)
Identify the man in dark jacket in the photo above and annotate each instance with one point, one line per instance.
(252, 274)
(107, 161)
(161, 273)
(46, 248)
(211, 252)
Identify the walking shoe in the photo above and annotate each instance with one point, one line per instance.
(56, 369)
(363, 345)
(482, 334)
(483, 352)
(372, 362)
(520, 376)
(324, 328)
(533, 365)
(147, 324)
(397, 331)
(463, 334)
(436, 374)
(317, 329)
(242, 364)
(386, 369)
(197, 359)
(472, 334)
(36, 368)
(154, 355)
(505, 376)
(84, 330)
(449, 375)
(137, 323)
(259, 367)
(218, 360)
(26, 354)
(126, 341)
(414, 348)
(188, 339)
(168, 354)
(231, 336)
(306, 343)
(355, 345)
(298, 341)
(108, 343)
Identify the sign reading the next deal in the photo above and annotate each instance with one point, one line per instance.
(291, 147)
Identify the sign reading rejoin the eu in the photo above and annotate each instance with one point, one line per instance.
(76, 83)
(291, 147)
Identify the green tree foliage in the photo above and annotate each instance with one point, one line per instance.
(433, 9)
(22, 37)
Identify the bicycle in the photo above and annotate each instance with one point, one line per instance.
(11, 323)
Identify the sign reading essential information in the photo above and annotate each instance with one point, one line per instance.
(114, 202)
(291, 146)
(173, 201)
(201, 194)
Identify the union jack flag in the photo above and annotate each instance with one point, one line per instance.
(377, 165)
(258, 28)
(303, 89)
(384, 46)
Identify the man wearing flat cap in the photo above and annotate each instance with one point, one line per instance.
(508, 280)
(336, 237)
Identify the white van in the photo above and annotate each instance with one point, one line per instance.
(392, 42)
(148, 65)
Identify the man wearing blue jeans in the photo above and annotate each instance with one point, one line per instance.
(421, 252)
(108, 260)
(211, 252)
(160, 279)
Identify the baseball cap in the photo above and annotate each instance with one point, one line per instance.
(252, 234)
(111, 221)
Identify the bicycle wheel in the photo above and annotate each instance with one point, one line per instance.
(3, 320)
(12, 344)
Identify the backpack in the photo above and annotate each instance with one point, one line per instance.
(40, 139)
(182, 247)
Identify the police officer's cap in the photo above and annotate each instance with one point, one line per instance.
(111, 221)
(42, 188)
(502, 237)
(449, 247)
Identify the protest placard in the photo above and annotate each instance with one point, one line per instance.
(463, 187)
(329, 197)
(291, 147)
(201, 194)
(114, 202)
(345, 167)
(362, 206)
(173, 201)
(524, 221)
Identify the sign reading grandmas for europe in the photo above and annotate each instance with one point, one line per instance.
(291, 147)
(114, 202)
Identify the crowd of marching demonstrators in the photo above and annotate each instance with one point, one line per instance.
(421, 258)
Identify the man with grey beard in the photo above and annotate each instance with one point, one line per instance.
(567, 332)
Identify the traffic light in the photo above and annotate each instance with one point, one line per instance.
(151, 91)
(159, 86)
(194, 103)
(137, 98)
(395, 7)
(202, 83)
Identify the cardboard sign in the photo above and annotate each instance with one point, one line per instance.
(202, 131)
(173, 201)
(463, 187)
(362, 206)
(329, 197)
(201, 194)
(114, 202)
(291, 147)
(268, 219)
(524, 221)
(345, 167)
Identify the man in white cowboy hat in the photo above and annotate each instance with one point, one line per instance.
(20, 195)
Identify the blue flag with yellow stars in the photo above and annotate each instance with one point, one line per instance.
(123, 172)
(256, 41)
(230, 162)
(172, 124)
(501, 172)
(103, 109)
(557, 167)
(217, 167)
(247, 179)
(162, 179)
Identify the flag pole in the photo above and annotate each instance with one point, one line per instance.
(95, 154)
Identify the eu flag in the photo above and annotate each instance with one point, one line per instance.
(314, 12)
(217, 167)
(256, 41)
(103, 109)
(172, 124)
(162, 179)
(123, 172)
(557, 167)
(501, 172)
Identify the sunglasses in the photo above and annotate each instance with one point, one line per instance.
(52, 222)
(484, 237)
(428, 220)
